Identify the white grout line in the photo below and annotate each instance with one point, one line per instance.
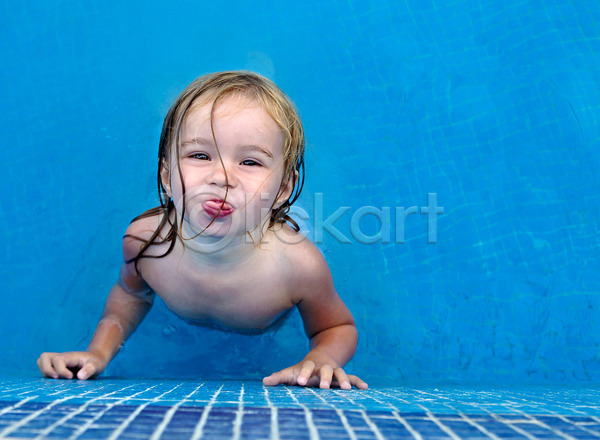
(200, 425)
(409, 428)
(535, 421)
(344, 394)
(319, 396)
(516, 404)
(461, 417)
(503, 422)
(428, 416)
(16, 405)
(446, 401)
(312, 429)
(33, 415)
(478, 426)
(117, 432)
(580, 426)
(169, 415)
(443, 427)
(237, 423)
(472, 422)
(90, 422)
(391, 405)
(10, 393)
(340, 413)
(72, 414)
(512, 426)
(371, 425)
(274, 423)
(346, 425)
(274, 416)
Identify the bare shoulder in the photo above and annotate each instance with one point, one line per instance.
(298, 249)
(305, 267)
(139, 232)
(311, 285)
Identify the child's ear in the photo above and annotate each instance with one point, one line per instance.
(165, 177)
(286, 189)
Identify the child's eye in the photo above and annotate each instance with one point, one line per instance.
(250, 162)
(200, 156)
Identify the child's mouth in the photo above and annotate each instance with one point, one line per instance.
(217, 208)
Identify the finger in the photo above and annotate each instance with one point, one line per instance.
(305, 372)
(75, 359)
(285, 376)
(273, 379)
(87, 371)
(342, 379)
(357, 382)
(326, 373)
(60, 367)
(45, 365)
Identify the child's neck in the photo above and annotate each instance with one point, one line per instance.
(221, 252)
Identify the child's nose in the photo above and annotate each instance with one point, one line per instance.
(220, 176)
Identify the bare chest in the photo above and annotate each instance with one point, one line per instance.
(246, 296)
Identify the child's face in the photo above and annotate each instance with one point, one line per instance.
(250, 144)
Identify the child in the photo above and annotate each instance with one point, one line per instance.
(221, 248)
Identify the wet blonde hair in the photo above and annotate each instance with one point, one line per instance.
(216, 87)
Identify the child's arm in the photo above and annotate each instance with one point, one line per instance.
(330, 327)
(128, 302)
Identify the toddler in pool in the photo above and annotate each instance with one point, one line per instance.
(221, 249)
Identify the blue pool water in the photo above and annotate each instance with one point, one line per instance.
(491, 106)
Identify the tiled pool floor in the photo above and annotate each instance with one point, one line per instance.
(167, 409)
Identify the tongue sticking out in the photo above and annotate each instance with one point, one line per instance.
(217, 208)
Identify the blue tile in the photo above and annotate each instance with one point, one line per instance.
(24, 434)
(292, 421)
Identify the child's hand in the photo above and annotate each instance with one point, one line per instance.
(307, 374)
(71, 365)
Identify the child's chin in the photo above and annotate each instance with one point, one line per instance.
(210, 240)
(217, 228)
(214, 231)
